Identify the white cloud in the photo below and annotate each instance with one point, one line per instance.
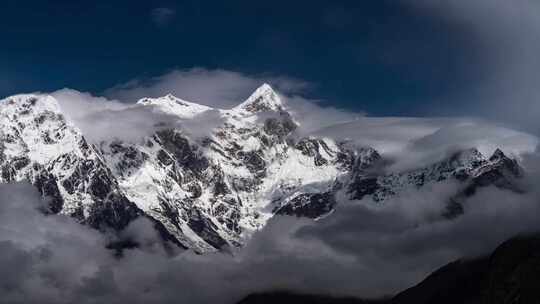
(363, 250)
(102, 119)
(117, 116)
(415, 142)
(224, 89)
(77, 104)
(215, 88)
(312, 116)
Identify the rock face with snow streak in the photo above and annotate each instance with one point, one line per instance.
(210, 192)
(39, 145)
(468, 166)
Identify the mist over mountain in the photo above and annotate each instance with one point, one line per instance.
(178, 151)
(184, 186)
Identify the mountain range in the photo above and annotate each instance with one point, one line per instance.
(210, 190)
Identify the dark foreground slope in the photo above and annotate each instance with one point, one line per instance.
(286, 297)
(510, 275)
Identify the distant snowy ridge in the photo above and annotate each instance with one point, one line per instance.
(211, 190)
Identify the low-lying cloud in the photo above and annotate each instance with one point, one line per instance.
(363, 249)
(417, 142)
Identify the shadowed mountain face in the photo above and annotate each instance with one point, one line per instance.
(510, 275)
(211, 192)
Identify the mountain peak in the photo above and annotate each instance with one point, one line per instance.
(171, 104)
(262, 100)
(497, 155)
(468, 156)
(26, 103)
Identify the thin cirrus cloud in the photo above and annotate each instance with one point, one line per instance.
(162, 16)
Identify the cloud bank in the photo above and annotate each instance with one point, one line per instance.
(412, 142)
(363, 250)
(416, 142)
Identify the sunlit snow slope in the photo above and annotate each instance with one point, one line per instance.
(211, 190)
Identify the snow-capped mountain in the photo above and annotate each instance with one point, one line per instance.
(210, 192)
(39, 145)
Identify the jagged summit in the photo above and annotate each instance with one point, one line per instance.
(33, 124)
(262, 100)
(468, 157)
(212, 193)
(497, 155)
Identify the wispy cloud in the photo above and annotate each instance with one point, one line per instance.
(117, 115)
(212, 87)
(224, 89)
(100, 118)
(162, 16)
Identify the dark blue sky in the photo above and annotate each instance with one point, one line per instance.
(383, 56)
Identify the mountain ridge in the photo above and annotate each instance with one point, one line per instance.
(212, 192)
